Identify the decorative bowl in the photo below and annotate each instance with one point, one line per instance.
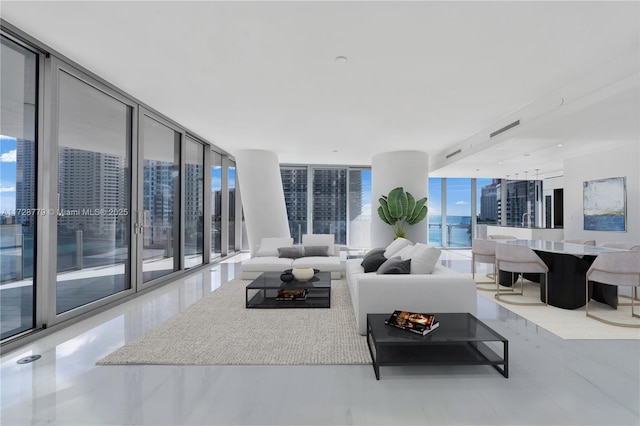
(303, 274)
(286, 276)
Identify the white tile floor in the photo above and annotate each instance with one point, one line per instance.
(552, 381)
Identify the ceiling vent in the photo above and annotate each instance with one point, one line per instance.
(453, 153)
(505, 128)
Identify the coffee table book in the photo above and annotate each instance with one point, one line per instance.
(291, 294)
(415, 322)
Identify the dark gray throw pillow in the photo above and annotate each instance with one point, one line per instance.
(372, 252)
(371, 262)
(316, 251)
(395, 265)
(290, 252)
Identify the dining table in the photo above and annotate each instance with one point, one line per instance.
(568, 264)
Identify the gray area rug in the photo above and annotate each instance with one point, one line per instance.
(219, 330)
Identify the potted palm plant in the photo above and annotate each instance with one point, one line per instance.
(400, 209)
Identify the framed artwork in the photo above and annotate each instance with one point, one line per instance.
(605, 204)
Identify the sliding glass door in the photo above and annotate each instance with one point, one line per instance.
(18, 72)
(160, 144)
(93, 194)
(216, 205)
(193, 203)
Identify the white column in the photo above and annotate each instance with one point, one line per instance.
(265, 212)
(409, 169)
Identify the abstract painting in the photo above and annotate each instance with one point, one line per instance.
(605, 204)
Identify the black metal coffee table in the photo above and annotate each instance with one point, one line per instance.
(263, 291)
(461, 339)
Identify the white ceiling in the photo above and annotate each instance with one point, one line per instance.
(432, 76)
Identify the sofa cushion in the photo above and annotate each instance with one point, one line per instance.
(266, 264)
(290, 252)
(269, 245)
(316, 250)
(424, 259)
(395, 265)
(321, 240)
(395, 246)
(372, 261)
(323, 263)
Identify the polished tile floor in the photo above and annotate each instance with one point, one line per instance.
(552, 381)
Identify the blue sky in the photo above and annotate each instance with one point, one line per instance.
(7, 173)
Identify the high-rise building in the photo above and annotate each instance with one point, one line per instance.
(25, 180)
(490, 202)
(331, 199)
(89, 198)
(294, 184)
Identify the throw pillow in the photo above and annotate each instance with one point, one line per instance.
(269, 245)
(395, 246)
(320, 240)
(424, 259)
(316, 251)
(290, 252)
(372, 252)
(372, 261)
(395, 265)
(405, 252)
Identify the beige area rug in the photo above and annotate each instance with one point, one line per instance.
(568, 323)
(219, 330)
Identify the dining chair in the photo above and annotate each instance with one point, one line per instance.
(621, 269)
(620, 245)
(583, 241)
(623, 246)
(483, 251)
(501, 237)
(520, 260)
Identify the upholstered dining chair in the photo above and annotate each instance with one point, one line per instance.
(483, 251)
(501, 237)
(621, 269)
(520, 260)
(620, 245)
(583, 241)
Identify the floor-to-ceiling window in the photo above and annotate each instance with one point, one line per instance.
(231, 233)
(434, 211)
(458, 226)
(359, 229)
(93, 194)
(294, 184)
(193, 203)
(161, 198)
(339, 202)
(18, 214)
(216, 204)
(330, 203)
(488, 201)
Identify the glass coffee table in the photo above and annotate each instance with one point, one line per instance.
(264, 292)
(461, 339)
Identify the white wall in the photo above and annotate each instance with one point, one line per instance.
(620, 161)
(265, 212)
(409, 169)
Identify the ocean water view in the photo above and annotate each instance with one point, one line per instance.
(457, 232)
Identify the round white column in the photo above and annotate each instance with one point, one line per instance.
(408, 169)
(260, 183)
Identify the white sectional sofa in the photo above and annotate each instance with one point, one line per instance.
(268, 256)
(442, 290)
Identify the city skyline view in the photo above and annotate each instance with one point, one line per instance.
(8, 158)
